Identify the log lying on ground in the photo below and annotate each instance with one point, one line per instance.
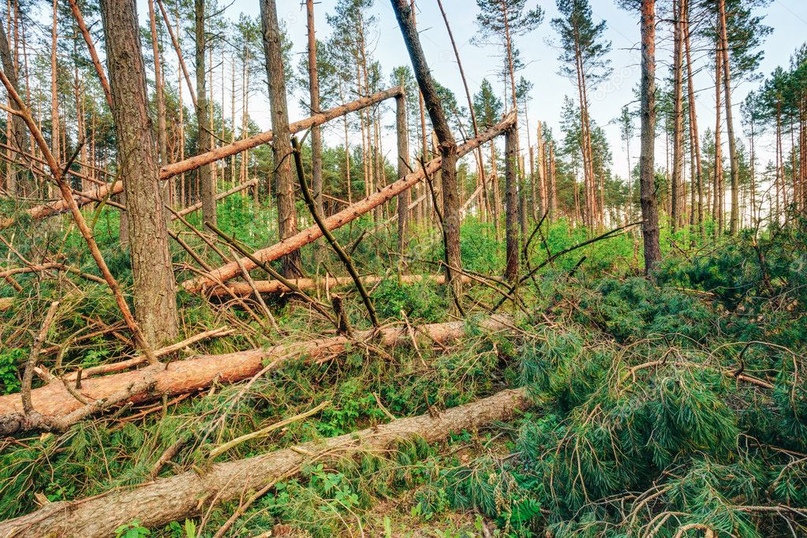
(243, 289)
(337, 220)
(214, 155)
(56, 408)
(158, 503)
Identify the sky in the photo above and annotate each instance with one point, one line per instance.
(539, 50)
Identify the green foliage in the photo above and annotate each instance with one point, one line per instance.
(10, 361)
(132, 530)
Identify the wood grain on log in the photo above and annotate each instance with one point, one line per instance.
(55, 401)
(157, 503)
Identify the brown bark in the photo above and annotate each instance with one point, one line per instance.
(204, 127)
(717, 189)
(350, 213)
(61, 409)
(678, 115)
(402, 133)
(192, 163)
(448, 147)
(511, 200)
(734, 219)
(244, 289)
(694, 137)
(650, 229)
(281, 145)
(159, 502)
(153, 275)
(17, 184)
(313, 89)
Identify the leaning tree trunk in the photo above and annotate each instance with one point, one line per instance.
(448, 147)
(650, 229)
(349, 214)
(154, 287)
(281, 145)
(162, 501)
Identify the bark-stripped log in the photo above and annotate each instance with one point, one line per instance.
(350, 213)
(243, 289)
(192, 163)
(57, 406)
(157, 503)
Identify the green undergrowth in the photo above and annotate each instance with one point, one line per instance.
(661, 404)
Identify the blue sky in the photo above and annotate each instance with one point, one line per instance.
(788, 18)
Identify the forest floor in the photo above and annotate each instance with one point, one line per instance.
(671, 407)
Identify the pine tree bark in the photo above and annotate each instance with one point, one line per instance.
(678, 115)
(162, 501)
(281, 144)
(316, 131)
(694, 136)
(650, 228)
(511, 200)
(734, 219)
(154, 286)
(717, 188)
(204, 128)
(404, 198)
(18, 181)
(448, 147)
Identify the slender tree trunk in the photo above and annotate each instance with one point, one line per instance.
(17, 180)
(734, 221)
(717, 206)
(511, 199)
(204, 129)
(678, 115)
(154, 286)
(313, 88)
(403, 169)
(694, 136)
(553, 185)
(54, 87)
(448, 148)
(281, 145)
(650, 229)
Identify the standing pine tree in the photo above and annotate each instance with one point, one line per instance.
(583, 52)
(504, 20)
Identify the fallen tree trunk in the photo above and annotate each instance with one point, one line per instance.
(243, 289)
(337, 220)
(56, 408)
(158, 503)
(211, 156)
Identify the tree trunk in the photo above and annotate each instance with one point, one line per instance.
(316, 132)
(511, 200)
(162, 501)
(402, 134)
(717, 205)
(650, 229)
(18, 182)
(448, 147)
(154, 286)
(694, 137)
(281, 145)
(678, 115)
(55, 403)
(734, 220)
(350, 213)
(204, 128)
